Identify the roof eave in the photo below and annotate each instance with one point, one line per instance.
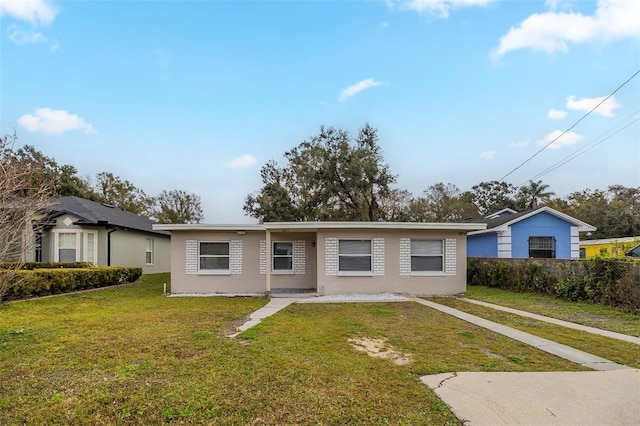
(314, 226)
(205, 227)
(375, 225)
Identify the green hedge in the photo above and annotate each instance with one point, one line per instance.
(606, 281)
(43, 282)
(45, 265)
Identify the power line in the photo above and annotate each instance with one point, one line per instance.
(595, 142)
(572, 126)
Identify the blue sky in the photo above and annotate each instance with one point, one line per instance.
(198, 95)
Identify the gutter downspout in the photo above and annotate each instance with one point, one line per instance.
(109, 232)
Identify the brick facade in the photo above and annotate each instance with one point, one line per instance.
(191, 257)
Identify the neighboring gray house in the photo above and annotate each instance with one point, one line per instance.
(320, 257)
(539, 233)
(76, 229)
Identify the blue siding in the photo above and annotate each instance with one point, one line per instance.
(541, 225)
(483, 245)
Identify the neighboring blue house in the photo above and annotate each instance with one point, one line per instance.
(539, 233)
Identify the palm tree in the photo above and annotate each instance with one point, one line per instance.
(534, 195)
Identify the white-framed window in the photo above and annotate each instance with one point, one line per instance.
(67, 247)
(427, 255)
(282, 256)
(90, 243)
(213, 256)
(148, 255)
(354, 255)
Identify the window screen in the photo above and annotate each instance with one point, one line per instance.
(282, 256)
(354, 255)
(426, 255)
(67, 247)
(214, 256)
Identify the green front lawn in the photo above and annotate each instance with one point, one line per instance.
(132, 356)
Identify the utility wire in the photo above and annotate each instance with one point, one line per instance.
(572, 126)
(597, 141)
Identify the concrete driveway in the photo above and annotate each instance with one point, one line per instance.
(558, 398)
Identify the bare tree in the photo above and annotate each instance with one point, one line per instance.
(23, 197)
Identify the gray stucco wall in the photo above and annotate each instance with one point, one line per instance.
(393, 280)
(389, 274)
(184, 279)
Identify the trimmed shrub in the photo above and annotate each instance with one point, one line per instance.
(607, 281)
(510, 275)
(46, 265)
(43, 282)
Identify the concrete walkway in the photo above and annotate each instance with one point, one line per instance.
(274, 305)
(606, 333)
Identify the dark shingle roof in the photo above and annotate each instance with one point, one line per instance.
(494, 223)
(92, 213)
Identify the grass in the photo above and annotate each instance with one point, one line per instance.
(129, 355)
(599, 316)
(612, 349)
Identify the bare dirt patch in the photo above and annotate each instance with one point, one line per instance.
(380, 348)
(230, 328)
(490, 354)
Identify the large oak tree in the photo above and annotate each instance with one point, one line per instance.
(331, 176)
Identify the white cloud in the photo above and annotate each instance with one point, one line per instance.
(568, 139)
(488, 155)
(437, 8)
(519, 144)
(33, 11)
(54, 122)
(354, 89)
(242, 162)
(587, 104)
(555, 114)
(554, 31)
(21, 37)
